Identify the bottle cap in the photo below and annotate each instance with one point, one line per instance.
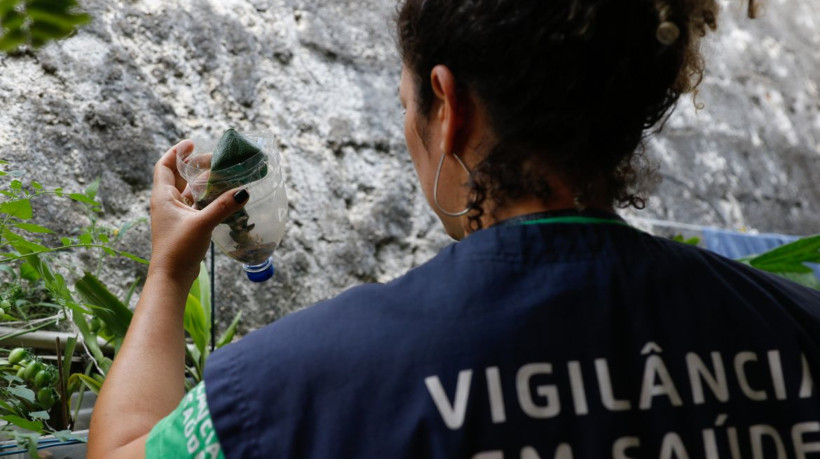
(261, 272)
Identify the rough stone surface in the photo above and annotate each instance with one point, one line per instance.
(322, 77)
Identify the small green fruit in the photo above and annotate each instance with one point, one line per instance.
(43, 378)
(31, 370)
(46, 397)
(17, 355)
(21, 372)
(94, 324)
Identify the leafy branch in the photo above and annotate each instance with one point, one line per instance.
(36, 22)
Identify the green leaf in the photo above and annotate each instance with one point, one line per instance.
(19, 209)
(92, 384)
(67, 435)
(10, 41)
(103, 238)
(16, 185)
(131, 256)
(92, 189)
(68, 353)
(35, 426)
(83, 198)
(29, 272)
(127, 300)
(5, 7)
(195, 323)
(65, 241)
(201, 289)
(22, 392)
(28, 441)
(39, 415)
(127, 226)
(790, 257)
(106, 306)
(36, 185)
(24, 247)
(13, 20)
(227, 337)
(86, 238)
(32, 228)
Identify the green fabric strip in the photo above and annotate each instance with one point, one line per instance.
(585, 220)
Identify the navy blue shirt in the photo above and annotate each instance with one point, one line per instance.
(570, 339)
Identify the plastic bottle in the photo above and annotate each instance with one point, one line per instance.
(250, 235)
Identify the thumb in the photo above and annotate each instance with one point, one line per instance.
(223, 207)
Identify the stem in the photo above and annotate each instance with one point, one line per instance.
(23, 332)
(58, 249)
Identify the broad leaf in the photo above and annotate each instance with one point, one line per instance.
(790, 257)
(39, 415)
(32, 228)
(105, 305)
(22, 392)
(230, 332)
(35, 426)
(91, 189)
(83, 199)
(92, 384)
(195, 323)
(18, 209)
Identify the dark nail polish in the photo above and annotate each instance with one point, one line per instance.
(241, 196)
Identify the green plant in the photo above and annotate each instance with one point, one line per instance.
(36, 22)
(37, 293)
(198, 327)
(789, 260)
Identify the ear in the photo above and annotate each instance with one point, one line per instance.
(448, 113)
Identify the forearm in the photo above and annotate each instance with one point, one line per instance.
(146, 381)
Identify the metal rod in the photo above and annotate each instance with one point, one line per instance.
(213, 299)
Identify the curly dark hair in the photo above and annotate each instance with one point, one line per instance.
(570, 86)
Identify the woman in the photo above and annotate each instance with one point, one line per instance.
(553, 329)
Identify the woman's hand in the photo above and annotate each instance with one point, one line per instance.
(180, 235)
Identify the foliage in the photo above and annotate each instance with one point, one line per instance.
(38, 293)
(789, 260)
(36, 22)
(198, 326)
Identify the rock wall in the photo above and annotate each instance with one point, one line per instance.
(322, 77)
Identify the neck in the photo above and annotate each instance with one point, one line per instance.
(529, 206)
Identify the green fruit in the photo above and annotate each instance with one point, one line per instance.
(2, 313)
(43, 378)
(17, 355)
(5, 304)
(46, 397)
(31, 370)
(94, 324)
(21, 372)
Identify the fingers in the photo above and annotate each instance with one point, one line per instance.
(165, 171)
(223, 207)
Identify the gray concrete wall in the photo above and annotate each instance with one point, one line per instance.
(322, 77)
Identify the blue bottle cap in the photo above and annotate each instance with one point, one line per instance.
(261, 272)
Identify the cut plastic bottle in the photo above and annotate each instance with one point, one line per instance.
(248, 161)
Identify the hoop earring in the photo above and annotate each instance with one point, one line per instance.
(435, 187)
